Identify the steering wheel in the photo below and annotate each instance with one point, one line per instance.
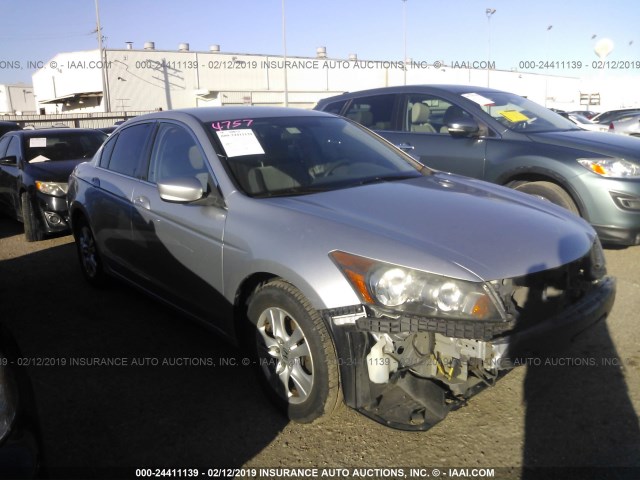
(333, 168)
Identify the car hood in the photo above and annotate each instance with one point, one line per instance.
(53, 170)
(600, 143)
(446, 224)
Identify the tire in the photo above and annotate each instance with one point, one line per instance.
(88, 254)
(548, 191)
(33, 231)
(296, 358)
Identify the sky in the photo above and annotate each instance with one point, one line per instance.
(448, 31)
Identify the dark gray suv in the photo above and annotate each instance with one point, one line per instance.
(506, 139)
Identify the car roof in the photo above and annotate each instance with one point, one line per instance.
(46, 132)
(629, 109)
(618, 111)
(213, 114)
(426, 88)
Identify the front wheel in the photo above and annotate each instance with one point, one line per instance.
(33, 231)
(548, 191)
(295, 353)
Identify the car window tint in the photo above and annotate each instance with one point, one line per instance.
(335, 107)
(129, 148)
(375, 112)
(107, 150)
(4, 143)
(14, 147)
(430, 114)
(176, 154)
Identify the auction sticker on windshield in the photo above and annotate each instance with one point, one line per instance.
(37, 142)
(240, 142)
(514, 116)
(479, 99)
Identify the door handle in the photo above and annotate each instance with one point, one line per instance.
(95, 181)
(405, 146)
(142, 202)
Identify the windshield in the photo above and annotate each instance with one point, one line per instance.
(299, 155)
(48, 146)
(520, 114)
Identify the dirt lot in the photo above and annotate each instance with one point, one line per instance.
(106, 421)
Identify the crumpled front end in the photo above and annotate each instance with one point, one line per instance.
(407, 369)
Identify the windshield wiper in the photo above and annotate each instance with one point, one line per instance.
(289, 192)
(384, 178)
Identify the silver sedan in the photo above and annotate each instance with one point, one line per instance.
(350, 272)
(626, 126)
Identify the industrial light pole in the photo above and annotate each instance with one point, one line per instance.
(284, 48)
(404, 29)
(489, 12)
(546, 77)
(105, 89)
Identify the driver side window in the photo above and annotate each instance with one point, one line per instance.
(14, 147)
(4, 142)
(430, 114)
(176, 154)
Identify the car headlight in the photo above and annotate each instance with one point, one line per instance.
(57, 189)
(611, 167)
(8, 399)
(416, 292)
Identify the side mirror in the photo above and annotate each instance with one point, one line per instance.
(181, 190)
(464, 127)
(10, 161)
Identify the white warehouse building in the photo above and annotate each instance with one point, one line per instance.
(149, 79)
(16, 99)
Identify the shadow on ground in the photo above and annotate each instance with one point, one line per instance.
(149, 388)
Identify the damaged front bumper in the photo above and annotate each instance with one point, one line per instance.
(408, 373)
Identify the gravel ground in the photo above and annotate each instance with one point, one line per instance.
(106, 421)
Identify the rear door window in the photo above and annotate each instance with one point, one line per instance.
(335, 107)
(375, 112)
(130, 149)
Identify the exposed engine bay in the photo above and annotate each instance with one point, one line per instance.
(456, 362)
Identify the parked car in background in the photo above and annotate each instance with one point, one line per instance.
(34, 169)
(589, 114)
(110, 129)
(343, 264)
(8, 127)
(509, 140)
(581, 121)
(613, 115)
(584, 123)
(626, 126)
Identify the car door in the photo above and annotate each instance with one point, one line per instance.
(4, 206)
(10, 177)
(109, 198)
(179, 245)
(421, 131)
